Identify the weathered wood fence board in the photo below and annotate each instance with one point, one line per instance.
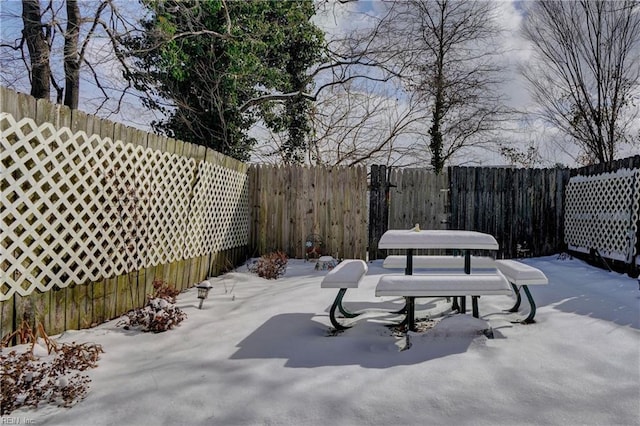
(289, 203)
(379, 188)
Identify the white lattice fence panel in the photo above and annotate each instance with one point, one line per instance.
(123, 207)
(169, 182)
(78, 208)
(220, 210)
(602, 212)
(49, 192)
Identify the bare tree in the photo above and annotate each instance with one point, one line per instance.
(37, 37)
(587, 70)
(355, 126)
(71, 55)
(449, 52)
(59, 46)
(376, 97)
(359, 115)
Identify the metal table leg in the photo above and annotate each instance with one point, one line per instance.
(474, 303)
(532, 305)
(467, 270)
(342, 309)
(411, 320)
(454, 305)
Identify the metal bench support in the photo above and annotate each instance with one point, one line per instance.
(529, 319)
(532, 311)
(516, 290)
(337, 304)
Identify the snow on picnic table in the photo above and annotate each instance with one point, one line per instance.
(261, 353)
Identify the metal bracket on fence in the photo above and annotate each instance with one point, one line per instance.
(602, 259)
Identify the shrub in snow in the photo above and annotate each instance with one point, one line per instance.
(164, 291)
(43, 372)
(270, 266)
(28, 380)
(159, 314)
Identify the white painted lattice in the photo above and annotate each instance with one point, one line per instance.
(602, 212)
(77, 208)
(220, 210)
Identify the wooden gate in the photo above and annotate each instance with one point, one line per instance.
(400, 198)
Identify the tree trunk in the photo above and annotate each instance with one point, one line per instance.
(36, 39)
(437, 159)
(71, 57)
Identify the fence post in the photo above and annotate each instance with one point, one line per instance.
(378, 209)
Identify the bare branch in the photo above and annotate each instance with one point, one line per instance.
(587, 70)
(274, 97)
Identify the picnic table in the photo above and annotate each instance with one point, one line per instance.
(456, 276)
(430, 285)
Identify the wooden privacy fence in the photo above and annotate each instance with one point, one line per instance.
(289, 204)
(517, 206)
(90, 220)
(408, 203)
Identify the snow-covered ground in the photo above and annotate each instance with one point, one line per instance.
(261, 353)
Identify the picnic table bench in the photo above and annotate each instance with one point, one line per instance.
(435, 285)
(522, 275)
(347, 274)
(518, 274)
